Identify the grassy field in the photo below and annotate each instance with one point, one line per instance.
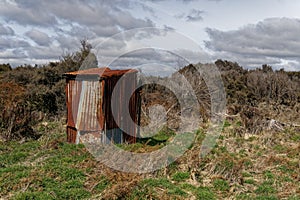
(241, 166)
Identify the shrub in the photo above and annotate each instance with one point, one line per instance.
(16, 114)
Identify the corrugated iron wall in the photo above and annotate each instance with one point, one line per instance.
(127, 84)
(89, 108)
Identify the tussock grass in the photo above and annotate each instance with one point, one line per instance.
(259, 166)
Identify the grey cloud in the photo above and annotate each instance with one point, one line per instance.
(69, 22)
(12, 43)
(168, 28)
(185, 1)
(151, 61)
(26, 15)
(6, 30)
(195, 15)
(104, 31)
(88, 18)
(67, 42)
(188, 0)
(39, 37)
(215, 0)
(127, 21)
(194, 56)
(81, 13)
(81, 32)
(12, 54)
(89, 13)
(270, 40)
(114, 44)
(149, 56)
(44, 53)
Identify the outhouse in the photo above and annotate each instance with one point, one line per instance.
(96, 104)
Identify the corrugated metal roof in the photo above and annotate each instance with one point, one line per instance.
(102, 72)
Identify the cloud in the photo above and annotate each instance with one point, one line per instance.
(194, 15)
(194, 56)
(68, 42)
(45, 53)
(88, 13)
(271, 41)
(67, 22)
(12, 43)
(146, 57)
(185, 1)
(26, 13)
(6, 30)
(169, 28)
(39, 37)
(12, 54)
(150, 61)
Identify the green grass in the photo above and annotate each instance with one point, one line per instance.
(246, 174)
(181, 176)
(221, 185)
(226, 124)
(205, 193)
(266, 188)
(45, 169)
(266, 198)
(50, 168)
(149, 187)
(249, 181)
(269, 175)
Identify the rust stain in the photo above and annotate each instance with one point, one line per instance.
(89, 104)
(103, 72)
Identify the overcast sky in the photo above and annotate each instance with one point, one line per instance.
(162, 34)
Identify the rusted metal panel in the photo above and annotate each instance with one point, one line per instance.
(71, 134)
(103, 72)
(89, 102)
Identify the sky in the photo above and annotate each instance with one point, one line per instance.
(161, 35)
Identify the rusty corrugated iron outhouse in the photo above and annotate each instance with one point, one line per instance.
(89, 105)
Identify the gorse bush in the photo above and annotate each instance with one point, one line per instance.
(16, 113)
(29, 94)
(5, 67)
(251, 87)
